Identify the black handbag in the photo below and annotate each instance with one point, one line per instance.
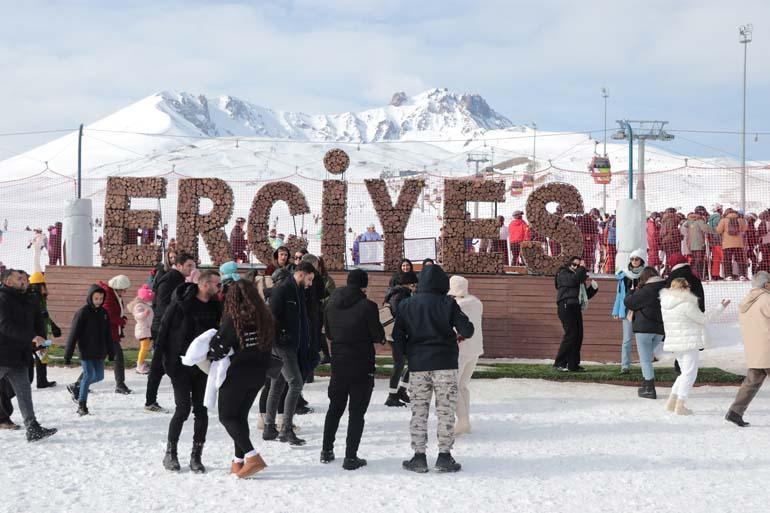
(274, 368)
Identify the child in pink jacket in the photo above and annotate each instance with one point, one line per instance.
(141, 308)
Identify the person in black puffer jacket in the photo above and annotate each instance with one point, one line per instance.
(90, 331)
(647, 325)
(192, 312)
(399, 375)
(570, 282)
(163, 287)
(680, 268)
(18, 339)
(352, 324)
(248, 328)
(426, 329)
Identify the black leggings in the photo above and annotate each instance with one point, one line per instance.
(235, 402)
(398, 373)
(189, 389)
(571, 317)
(154, 377)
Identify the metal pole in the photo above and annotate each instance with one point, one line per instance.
(640, 188)
(534, 146)
(630, 159)
(80, 158)
(743, 132)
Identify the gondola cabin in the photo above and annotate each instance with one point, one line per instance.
(517, 188)
(599, 167)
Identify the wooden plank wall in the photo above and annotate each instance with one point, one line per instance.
(519, 311)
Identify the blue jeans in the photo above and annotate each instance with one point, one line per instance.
(625, 351)
(645, 346)
(93, 372)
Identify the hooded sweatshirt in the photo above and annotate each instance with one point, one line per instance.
(472, 307)
(352, 323)
(426, 322)
(683, 321)
(754, 318)
(90, 331)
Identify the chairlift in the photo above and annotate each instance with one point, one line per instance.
(600, 170)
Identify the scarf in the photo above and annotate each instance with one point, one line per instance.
(583, 297)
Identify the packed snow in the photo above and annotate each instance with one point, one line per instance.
(536, 446)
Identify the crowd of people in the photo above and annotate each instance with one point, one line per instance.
(225, 340)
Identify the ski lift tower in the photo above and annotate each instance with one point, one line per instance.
(631, 213)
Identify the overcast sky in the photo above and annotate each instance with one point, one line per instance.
(77, 61)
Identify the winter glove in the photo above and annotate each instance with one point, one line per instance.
(55, 330)
(218, 349)
(44, 314)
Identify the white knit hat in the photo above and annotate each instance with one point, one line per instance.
(638, 253)
(119, 282)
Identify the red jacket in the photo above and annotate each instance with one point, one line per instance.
(111, 304)
(518, 231)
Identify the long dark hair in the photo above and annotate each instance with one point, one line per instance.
(647, 273)
(244, 306)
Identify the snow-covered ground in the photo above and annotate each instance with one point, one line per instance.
(537, 446)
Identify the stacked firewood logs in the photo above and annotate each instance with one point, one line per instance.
(210, 226)
(553, 226)
(259, 217)
(394, 218)
(457, 227)
(334, 213)
(118, 217)
(336, 161)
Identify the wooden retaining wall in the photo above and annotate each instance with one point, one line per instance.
(519, 311)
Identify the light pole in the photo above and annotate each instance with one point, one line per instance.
(745, 38)
(605, 95)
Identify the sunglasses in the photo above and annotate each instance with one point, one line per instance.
(297, 258)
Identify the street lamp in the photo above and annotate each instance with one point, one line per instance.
(745, 32)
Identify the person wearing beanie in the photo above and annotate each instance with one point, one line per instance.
(38, 293)
(141, 309)
(428, 327)
(628, 281)
(117, 313)
(399, 374)
(229, 273)
(680, 268)
(470, 349)
(352, 323)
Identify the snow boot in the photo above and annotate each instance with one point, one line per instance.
(279, 424)
(647, 390)
(327, 456)
(122, 389)
(154, 408)
(41, 369)
(353, 463)
(418, 463)
(446, 463)
(37, 432)
(252, 465)
(303, 410)
(195, 458)
(288, 436)
(681, 409)
(671, 403)
(9, 424)
(82, 408)
(403, 396)
(74, 390)
(235, 467)
(393, 401)
(270, 432)
(170, 461)
(736, 419)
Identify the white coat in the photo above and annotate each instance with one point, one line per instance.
(683, 321)
(472, 307)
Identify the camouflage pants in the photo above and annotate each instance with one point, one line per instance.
(422, 385)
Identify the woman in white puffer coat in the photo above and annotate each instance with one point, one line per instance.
(684, 324)
(470, 350)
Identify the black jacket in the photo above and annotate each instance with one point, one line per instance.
(186, 318)
(285, 306)
(696, 286)
(249, 363)
(164, 287)
(90, 331)
(645, 303)
(426, 322)
(17, 328)
(352, 324)
(568, 285)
